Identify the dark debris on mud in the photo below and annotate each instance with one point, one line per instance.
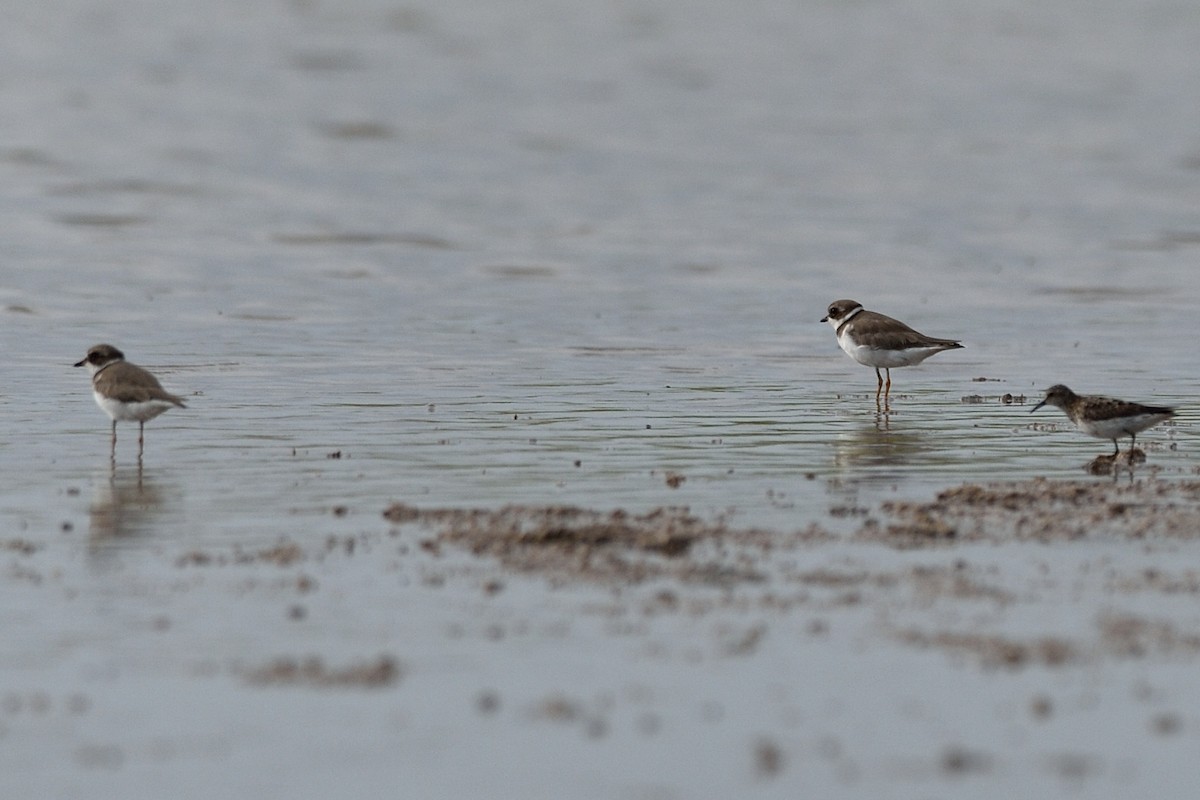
(313, 672)
(1040, 510)
(601, 545)
(919, 596)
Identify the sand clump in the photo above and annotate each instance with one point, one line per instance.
(313, 672)
(850, 580)
(599, 545)
(1040, 510)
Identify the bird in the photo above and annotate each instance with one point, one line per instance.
(1105, 417)
(126, 392)
(879, 341)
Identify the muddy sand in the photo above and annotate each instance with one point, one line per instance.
(673, 550)
(1034, 638)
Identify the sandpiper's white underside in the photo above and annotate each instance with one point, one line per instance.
(1117, 427)
(130, 412)
(884, 358)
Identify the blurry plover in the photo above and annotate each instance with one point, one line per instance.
(877, 341)
(125, 392)
(1105, 417)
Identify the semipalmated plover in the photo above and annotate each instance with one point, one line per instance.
(1105, 417)
(877, 341)
(124, 391)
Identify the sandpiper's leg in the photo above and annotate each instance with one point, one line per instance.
(887, 392)
(141, 431)
(1116, 448)
(112, 450)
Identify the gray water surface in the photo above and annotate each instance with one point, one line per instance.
(468, 254)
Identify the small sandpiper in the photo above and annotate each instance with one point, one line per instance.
(875, 340)
(1105, 417)
(126, 392)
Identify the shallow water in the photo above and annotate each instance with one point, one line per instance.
(470, 255)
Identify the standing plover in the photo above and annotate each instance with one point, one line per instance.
(125, 392)
(877, 341)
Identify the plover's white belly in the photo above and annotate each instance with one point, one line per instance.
(1119, 426)
(883, 357)
(130, 412)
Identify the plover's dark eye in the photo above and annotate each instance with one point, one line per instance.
(93, 358)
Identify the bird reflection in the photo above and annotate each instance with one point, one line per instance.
(127, 503)
(875, 444)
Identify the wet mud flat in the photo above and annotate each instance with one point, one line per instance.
(1060, 581)
(1032, 637)
(976, 545)
(996, 549)
(960, 528)
(1057, 581)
